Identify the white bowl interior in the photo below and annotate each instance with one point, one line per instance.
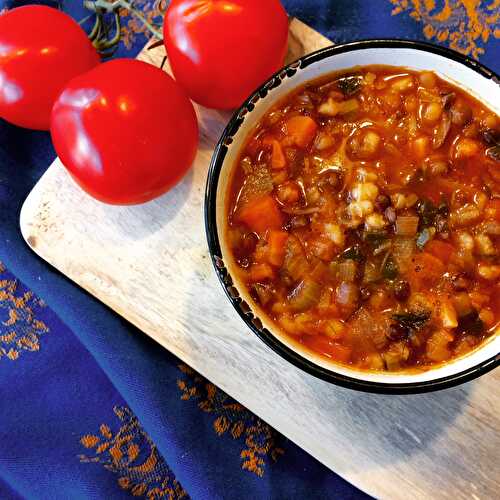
(486, 90)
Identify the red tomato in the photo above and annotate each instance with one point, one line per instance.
(125, 131)
(41, 49)
(222, 50)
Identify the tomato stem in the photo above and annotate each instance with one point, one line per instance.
(99, 32)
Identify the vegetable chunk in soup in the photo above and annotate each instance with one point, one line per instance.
(364, 218)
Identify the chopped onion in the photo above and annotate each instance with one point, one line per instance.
(347, 294)
(441, 131)
(305, 295)
(491, 227)
(334, 329)
(264, 293)
(258, 183)
(396, 355)
(427, 96)
(406, 225)
(402, 252)
(437, 345)
(296, 265)
(324, 141)
(348, 106)
(246, 165)
(372, 272)
(389, 268)
(465, 216)
(462, 304)
(461, 113)
(386, 245)
(412, 126)
(332, 108)
(347, 270)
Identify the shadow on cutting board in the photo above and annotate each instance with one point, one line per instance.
(398, 426)
(149, 218)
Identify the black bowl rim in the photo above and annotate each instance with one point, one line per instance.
(215, 249)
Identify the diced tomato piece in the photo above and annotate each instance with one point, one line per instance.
(278, 160)
(440, 249)
(301, 129)
(260, 272)
(333, 350)
(276, 247)
(425, 271)
(492, 210)
(261, 214)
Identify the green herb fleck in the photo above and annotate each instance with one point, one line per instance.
(427, 212)
(425, 236)
(471, 323)
(476, 327)
(375, 238)
(494, 152)
(412, 320)
(390, 270)
(349, 85)
(491, 137)
(353, 253)
(443, 208)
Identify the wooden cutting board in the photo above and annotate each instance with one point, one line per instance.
(151, 265)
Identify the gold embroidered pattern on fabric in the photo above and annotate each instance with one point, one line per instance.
(464, 25)
(20, 330)
(233, 419)
(132, 26)
(133, 457)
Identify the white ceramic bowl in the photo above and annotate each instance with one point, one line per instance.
(449, 65)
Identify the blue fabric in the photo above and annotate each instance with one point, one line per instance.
(92, 408)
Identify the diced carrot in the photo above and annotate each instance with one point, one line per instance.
(425, 271)
(260, 272)
(278, 160)
(492, 210)
(276, 247)
(261, 214)
(301, 129)
(440, 249)
(333, 350)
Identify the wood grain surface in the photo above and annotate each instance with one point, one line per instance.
(151, 265)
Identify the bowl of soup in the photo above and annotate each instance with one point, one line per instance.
(353, 215)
